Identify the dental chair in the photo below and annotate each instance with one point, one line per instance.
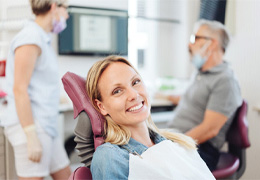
(232, 164)
(89, 129)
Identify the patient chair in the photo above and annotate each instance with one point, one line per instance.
(90, 121)
(232, 164)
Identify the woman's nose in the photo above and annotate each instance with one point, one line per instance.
(67, 15)
(132, 94)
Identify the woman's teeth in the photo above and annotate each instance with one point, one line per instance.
(136, 107)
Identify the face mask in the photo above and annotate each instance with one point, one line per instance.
(59, 26)
(197, 59)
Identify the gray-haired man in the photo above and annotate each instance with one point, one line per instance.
(207, 108)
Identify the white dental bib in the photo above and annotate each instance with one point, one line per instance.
(168, 160)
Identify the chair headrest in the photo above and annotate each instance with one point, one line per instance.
(74, 85)
(238, 132)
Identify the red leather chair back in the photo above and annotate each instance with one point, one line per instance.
(232, 164)
(2, 67)
(81, 173)
(238, 132)
(74, 85)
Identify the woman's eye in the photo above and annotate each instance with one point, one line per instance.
(117, 91)
(136, 81)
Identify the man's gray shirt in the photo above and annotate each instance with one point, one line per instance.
(216, 89)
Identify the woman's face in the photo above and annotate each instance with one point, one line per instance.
(124, 95)
(62, 11)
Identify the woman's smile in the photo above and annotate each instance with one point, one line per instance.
(136, 108)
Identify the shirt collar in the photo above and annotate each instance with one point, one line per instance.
(135, 146)
(216, 69)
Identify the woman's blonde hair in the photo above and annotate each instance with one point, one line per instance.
(40, 7)
(119, 134)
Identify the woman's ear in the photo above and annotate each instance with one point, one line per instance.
(53, 8)
(101, 107)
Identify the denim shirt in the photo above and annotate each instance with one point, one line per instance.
(111, 161)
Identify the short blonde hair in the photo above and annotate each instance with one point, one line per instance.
(115, 133)
(43, 6)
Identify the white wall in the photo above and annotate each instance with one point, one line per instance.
(111, 4)
(244, 55)
(174, 59)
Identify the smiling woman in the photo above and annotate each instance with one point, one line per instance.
(135, 148)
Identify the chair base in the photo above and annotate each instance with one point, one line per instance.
(227, 166)
(81, 173)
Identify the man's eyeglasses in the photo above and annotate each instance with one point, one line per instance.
(193, 38)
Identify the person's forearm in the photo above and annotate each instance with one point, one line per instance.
(174, 99)
(24, 111)
(23, 107)
(201, 134)
(209, 128)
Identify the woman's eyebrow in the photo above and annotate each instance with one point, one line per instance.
(119, 84)
(134, 77)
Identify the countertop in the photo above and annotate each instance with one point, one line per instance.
(161, 109)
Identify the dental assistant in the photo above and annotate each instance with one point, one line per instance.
(33, 95)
